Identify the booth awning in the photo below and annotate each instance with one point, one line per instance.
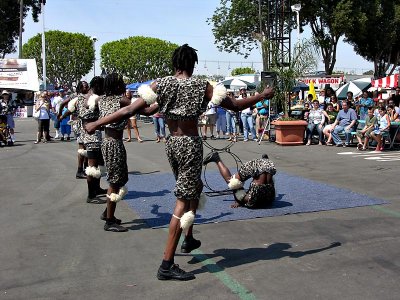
(391, 81)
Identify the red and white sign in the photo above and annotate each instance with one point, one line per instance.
(320, 82)
(21, 112)
(391, 81)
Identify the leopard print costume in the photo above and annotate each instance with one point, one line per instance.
(114, 155)
(183, 99)
(186, 164)
(113, 150)
(259, 195)
(92, 142)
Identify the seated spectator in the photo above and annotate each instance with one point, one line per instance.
(334, 102)
(261, 193)
(344, 123)
(316, 120)
(330, 117)
(306, 111)
(383, 130)
(393, 114)
(365, 133)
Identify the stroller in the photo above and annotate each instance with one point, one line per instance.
(5, 135)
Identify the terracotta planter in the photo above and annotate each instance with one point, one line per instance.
(290, 133)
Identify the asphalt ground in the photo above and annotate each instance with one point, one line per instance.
(53, 245)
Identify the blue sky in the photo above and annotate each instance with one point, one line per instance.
(177, 21)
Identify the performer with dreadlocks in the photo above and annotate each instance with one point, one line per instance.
(261, 193)
(87, 110)
(182, 99)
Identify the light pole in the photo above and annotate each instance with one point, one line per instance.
(43, 2)
(94, 40)
(296, 8)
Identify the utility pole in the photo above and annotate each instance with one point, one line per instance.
(43, 2)
(21, 23)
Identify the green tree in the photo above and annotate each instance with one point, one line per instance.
(9, 22)
(328, 21)
(69, 56)
(376, 34)
(237, 27)
(240, 71)
(138, 58)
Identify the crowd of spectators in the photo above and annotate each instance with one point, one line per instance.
(366, 117)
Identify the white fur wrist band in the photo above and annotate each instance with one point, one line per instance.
(147, 94)
(219, 94)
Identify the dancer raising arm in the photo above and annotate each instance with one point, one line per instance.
(182, 99)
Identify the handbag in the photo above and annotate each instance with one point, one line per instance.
(36, 113)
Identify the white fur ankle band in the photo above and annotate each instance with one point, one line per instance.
(118, 197)
(147, 94)
(123, 191)
(187, 220)
(93, 171)
(240, 194)
(234, 183)
(114, 197)
(82, 152)
(219, 94)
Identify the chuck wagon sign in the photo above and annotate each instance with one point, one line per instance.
(320, 82)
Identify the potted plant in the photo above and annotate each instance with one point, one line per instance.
(289, 131)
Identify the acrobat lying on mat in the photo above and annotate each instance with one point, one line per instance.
(261, 193)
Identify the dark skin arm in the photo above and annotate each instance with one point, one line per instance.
(124, 113)
(233, 104)
(140, 105)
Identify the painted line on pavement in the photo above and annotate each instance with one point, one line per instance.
(228, 281)
(387, 211)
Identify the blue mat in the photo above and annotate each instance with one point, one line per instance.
(150, 196)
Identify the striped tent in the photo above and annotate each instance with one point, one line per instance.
(391, 81)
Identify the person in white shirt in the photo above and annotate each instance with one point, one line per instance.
(55, 104)
(210, 120)
(246, 116)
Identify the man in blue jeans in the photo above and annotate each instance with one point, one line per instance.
(345, 121)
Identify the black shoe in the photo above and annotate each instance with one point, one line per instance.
(80, 175)
(190, 244)
(113, 219)
(212, 156)
(114, 227)
(174, 273)
(101, 191)
(62, 138)
(95, 200)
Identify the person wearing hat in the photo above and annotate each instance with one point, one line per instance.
(9, 107)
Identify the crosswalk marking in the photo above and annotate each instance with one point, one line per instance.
(375, 156)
